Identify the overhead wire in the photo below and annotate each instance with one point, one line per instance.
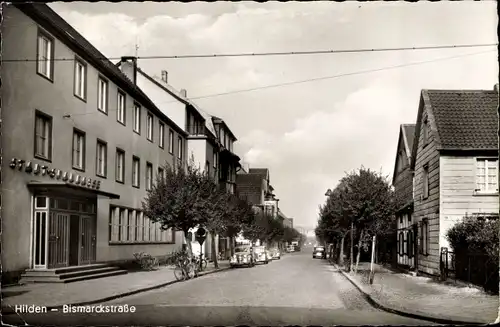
(309, 80)
(285, 53)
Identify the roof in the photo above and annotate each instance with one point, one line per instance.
(177, 95)
(263, 172)
(49, 19)
(250, 187)
(406, 134)
(218, 120)
(460, 120)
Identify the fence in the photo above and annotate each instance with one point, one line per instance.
(471, 267)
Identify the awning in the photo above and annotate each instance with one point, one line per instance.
(75, 189)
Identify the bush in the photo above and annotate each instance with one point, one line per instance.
(475, 234)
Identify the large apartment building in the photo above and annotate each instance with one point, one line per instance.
(209, 139)
(81, 145)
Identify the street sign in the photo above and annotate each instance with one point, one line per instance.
(201, 235)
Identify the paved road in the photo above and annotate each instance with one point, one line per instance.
(296, 290)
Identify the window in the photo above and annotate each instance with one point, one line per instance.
(409, 244)
(102, 95)
(215, 160)
(179, 149)
(101, 159)
(487, 175)
(120, 112)
(400, 245)
(149, 176)
(207, 168)
(120, 166)
(149, 127)
(135, 172)
(424, 237)
(425, 131)
(45, 55)
(161, 173)
(78, 149)
(161, 140)
(137, 119)
(171, 141)
(43, 136)
(425, 182)
(80, 79)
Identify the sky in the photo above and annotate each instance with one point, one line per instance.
(308, 134)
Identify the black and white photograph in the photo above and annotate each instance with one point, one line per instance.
(249, 163)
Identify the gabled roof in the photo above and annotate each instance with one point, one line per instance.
(218, 120)
(50, 20)
(250, 187)
(263, 172)
(406, 135)
(460, 120)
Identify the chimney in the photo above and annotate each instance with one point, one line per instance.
(164, 76)
(184, 93)
(129, 68)
(496, 87)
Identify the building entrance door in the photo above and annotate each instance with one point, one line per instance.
(58, 240)
(88, 240)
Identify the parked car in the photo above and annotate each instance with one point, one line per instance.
(319, 252)
(269, 254)
(261, 254)
(243, 256)
(276, 254)
(290, 248)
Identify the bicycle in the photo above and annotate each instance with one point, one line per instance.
(147, 261)
(184, 267)
(204, 263)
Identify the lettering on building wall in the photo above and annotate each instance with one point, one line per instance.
(42, 170)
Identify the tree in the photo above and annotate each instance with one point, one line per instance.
(253, 229)
(178, 201)
(242, 215)
(367, 198)
(334, 221)
(215, 211)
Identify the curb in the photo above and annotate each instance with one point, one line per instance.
(376, 304)
(10, 310)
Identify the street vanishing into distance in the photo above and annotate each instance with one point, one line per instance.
(296, 289)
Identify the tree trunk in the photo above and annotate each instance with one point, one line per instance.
(359, 251)
(341, 259)
(214, 251)
(231, 245)
(188, 243)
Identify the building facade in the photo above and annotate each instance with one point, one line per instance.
(81, 145)
(455, 164)
(402, 182)
(203, 146)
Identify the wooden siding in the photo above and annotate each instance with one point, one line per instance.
(457, 198)
(429, 207)
(403, 180)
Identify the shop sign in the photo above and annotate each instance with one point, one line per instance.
(42, 170)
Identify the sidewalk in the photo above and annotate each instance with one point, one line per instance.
(93, 290)
(424, 297)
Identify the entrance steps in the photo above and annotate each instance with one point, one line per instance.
(70, 274)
